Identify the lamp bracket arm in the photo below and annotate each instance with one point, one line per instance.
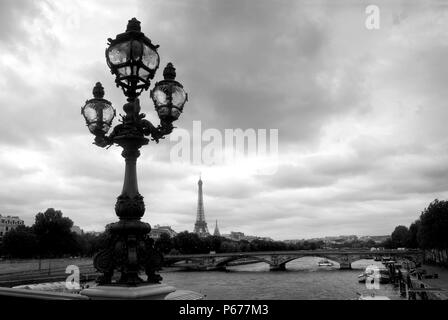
(150, 130)
(107, 141)
(159, 132)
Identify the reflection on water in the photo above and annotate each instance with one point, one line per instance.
(304, 279)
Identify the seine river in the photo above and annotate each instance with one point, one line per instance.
(304, 279)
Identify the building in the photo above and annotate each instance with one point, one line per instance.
(200, 227)
(8, 223)
(158, 230)
(216, 233)
(238, 236)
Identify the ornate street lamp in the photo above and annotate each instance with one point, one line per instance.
(133, 59)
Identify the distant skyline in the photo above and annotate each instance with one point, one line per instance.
(361, 114)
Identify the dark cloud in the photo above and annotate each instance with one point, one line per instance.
(253, 64)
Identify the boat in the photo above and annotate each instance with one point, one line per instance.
(377, 258)
(387, 262)
(325, 263)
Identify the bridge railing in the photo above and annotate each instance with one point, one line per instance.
(298, 252)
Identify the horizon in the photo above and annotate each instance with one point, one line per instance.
(229, 232)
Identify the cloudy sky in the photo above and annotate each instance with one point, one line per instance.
(361, 114)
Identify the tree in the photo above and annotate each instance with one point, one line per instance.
(244, 246)
(20, 242)
(212, 243)
(369, 243)
(230, 246)
(187, 242)
(54, 234)
(89, 243)
(432, 231)
(388, 244)
(164, 243)
(96, 242)
(413, 234)
(400, 237)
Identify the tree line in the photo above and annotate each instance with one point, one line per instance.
(50, 237)
(190, 243)
(429, 231)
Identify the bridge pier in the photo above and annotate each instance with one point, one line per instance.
(277, 267)
(345, 266)
(219, 268)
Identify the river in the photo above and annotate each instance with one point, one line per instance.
(303, 279)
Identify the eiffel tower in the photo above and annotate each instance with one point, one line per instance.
(200, 227)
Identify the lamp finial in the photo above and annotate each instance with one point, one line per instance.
(169, 73)
(133, 25)
(98, 91)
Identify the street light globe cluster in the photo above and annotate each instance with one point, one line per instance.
(133, 60)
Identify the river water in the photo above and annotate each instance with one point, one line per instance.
(302, 280)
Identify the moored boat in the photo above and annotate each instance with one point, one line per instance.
(325, 263)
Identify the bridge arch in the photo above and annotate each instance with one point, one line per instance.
(171, 261)
(290, 259)
(344, 261)
(225, 261)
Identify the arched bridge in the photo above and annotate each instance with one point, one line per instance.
(277, 260)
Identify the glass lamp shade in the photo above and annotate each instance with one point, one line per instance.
(169, 96)
(133, 59)
(98, 113)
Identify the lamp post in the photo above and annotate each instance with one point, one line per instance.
(134, 60)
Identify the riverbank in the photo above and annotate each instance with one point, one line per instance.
(441, 282)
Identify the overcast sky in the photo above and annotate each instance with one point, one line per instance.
(361, 114)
